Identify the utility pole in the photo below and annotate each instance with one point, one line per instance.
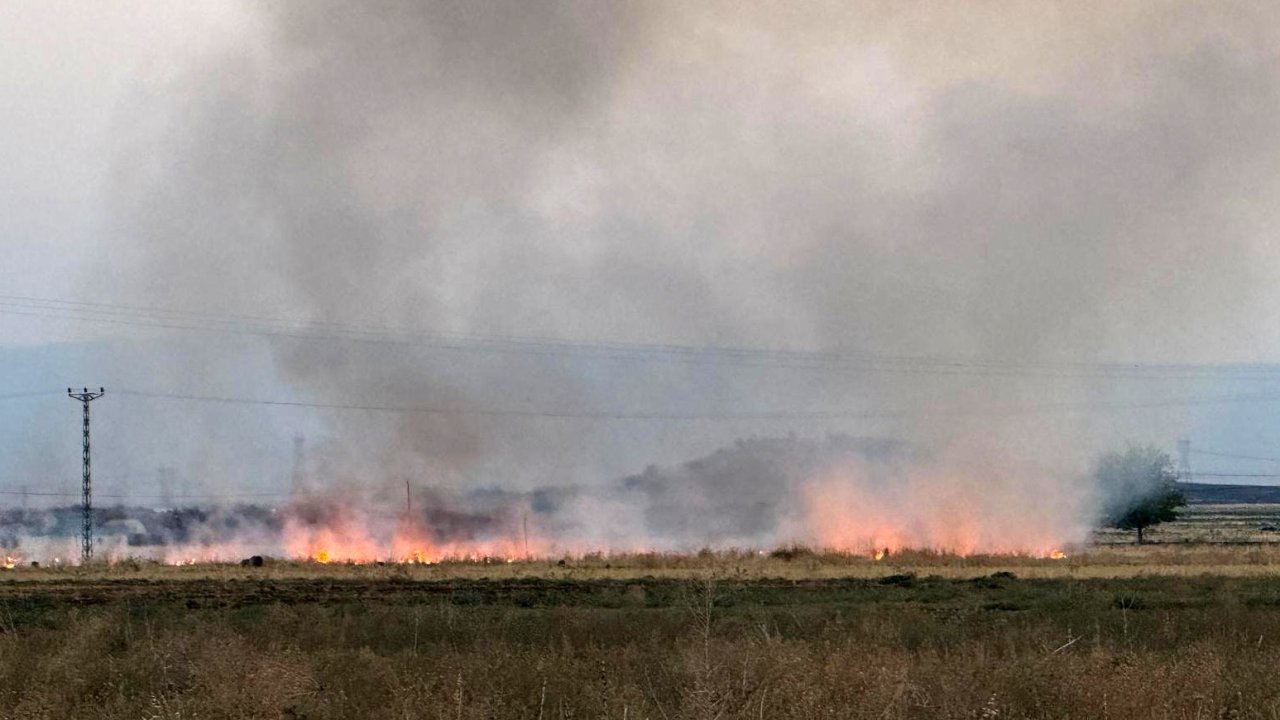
(86, 530)
(164, 474)
(299, 479)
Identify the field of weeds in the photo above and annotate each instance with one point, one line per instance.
(730, 635)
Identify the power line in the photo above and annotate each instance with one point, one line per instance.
(1236, 456)
(565, 414)
(636, 353)
(836, 414)
(141, 316)
(98, 476)
(207, 496)
(216, 496)
(35, 393)
(743, 416)
(1237, 475)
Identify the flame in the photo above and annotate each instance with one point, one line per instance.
(961, 504)
(332, 532)
(956, 503)
(10, 562)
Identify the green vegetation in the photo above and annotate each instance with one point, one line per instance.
(1140, 488)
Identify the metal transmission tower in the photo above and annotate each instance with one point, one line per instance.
(1184, 460)
(86, 530)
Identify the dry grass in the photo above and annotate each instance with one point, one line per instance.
(1180, 630)
(707, 649)
(1100, 561)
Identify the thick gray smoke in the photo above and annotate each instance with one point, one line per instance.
(1036, 189)
(852, 494)
(747, 492)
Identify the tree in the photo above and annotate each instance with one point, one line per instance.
(1139, 488)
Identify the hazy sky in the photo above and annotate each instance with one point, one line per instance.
(1035, 189)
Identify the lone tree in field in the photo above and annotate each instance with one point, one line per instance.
(1139, 488)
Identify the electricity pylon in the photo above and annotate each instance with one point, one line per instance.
(86, 529)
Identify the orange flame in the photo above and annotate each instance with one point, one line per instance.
(343, 535)
(949, 505)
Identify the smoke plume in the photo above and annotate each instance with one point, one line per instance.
(1034, 190)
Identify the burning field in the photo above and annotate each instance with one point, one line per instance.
(674, 360)
(363, 622)
(864, 497)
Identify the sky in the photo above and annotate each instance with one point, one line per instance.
(1039, 230)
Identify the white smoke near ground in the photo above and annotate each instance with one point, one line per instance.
(758, 493)
(1032, 190)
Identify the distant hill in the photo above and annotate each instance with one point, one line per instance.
(1212, 493)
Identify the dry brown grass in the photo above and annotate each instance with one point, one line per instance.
(1073, 652)
(1100, 561)
(1118, 631)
